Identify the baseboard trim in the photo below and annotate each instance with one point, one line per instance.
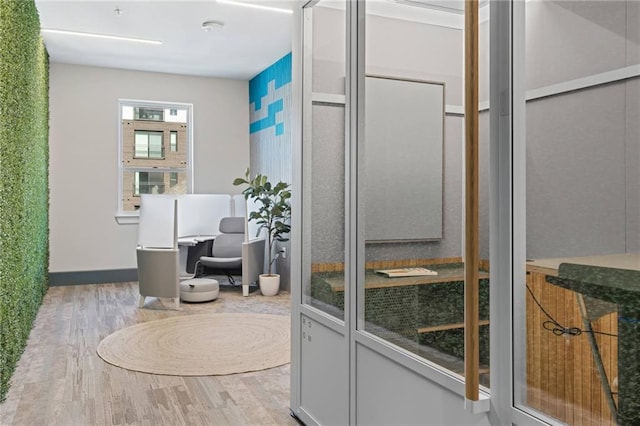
(92, 277)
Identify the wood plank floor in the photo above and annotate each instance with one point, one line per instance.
(60, 380)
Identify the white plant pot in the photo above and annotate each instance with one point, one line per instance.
(269, 284)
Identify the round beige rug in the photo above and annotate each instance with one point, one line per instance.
(201, 345)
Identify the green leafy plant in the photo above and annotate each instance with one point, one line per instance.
(274, 209)
(24, 185)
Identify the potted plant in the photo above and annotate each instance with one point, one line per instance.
(273, 214)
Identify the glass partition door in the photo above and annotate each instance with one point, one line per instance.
(411, 185)
(577, 341)
(324, 150)
(320, 373)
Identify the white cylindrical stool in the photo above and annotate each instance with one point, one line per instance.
(199, 290)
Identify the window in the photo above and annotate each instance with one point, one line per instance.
(150, 144)
(149, 183)
(149, 114)
(154, 153)
(173, 142)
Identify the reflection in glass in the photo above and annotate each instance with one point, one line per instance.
(148, 183)
(329, 47)
(137, 182)
(149, 144)
(173, 141)
(583, 235)
(422, 314)
(325, 145)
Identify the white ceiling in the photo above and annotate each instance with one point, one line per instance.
(251, 40)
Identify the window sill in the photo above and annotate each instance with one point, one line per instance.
(127, 219)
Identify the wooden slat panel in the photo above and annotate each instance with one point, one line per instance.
(562, 378)
(545, 299)
(534, 373)
(586, 377)
(532, 383)
(569, 362)
(580, 384)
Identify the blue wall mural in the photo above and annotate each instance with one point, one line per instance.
(270, 120)
(270, 87)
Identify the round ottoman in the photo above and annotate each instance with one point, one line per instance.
(199, 290)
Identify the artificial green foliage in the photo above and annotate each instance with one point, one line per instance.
(24, 186)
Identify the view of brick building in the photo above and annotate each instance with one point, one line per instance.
(154, 156)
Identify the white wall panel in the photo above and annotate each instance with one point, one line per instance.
(390, 394)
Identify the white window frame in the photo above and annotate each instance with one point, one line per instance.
(508, 213)
(128, 217)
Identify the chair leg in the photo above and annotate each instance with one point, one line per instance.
(197, 269)
(232, 280)
(141, 302)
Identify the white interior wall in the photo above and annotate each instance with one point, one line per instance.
(83, 171)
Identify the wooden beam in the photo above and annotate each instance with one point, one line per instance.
(447, 327)
(471, 258)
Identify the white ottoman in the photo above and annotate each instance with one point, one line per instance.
(199, 290)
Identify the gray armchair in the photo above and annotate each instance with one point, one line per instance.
(232, 254)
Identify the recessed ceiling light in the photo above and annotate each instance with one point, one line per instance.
(255, 6)
(212, 26)
(105, 36)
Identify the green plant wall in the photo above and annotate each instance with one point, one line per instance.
(24, 187)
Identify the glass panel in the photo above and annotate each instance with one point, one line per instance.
(141, 145)
(603, 37)
(148, 144)
(136, 182)
(156, 149)
(484, 184)
(327, 207)
(412, 183)
(149, 183)
(127, 112)
(174, 141)
(583, 232)
(145, 113)
(325, 137)
(329, 44)
(175, 115)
